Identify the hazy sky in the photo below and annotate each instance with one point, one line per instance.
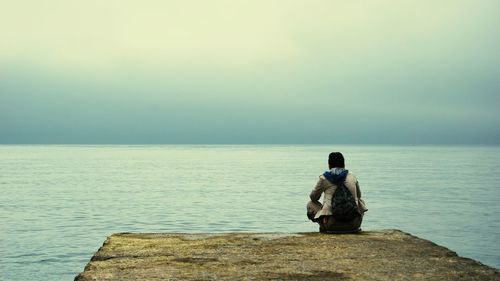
(350, 72)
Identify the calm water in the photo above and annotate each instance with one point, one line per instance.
(58, 203)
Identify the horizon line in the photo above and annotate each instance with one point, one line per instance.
(248, 144)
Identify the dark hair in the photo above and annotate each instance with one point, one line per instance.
(336, 160)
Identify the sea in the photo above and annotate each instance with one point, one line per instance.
(58, 203)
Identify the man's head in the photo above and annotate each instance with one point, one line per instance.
(336, 160)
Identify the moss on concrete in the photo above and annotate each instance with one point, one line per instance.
(370, 255)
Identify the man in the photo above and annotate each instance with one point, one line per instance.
(337, 218)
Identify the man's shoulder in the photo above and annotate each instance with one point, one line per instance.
(351, 177)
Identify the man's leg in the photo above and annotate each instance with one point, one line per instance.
(313, 207)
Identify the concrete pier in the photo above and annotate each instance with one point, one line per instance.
(369, 255)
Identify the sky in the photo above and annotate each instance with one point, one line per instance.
(245, 72)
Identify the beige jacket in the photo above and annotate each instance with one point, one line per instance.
(326, 187)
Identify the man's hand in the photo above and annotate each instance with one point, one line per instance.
(325, 220)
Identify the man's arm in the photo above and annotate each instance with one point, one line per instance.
(316, 192)
(361, 202)
(358, 190)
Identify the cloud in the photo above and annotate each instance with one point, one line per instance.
(249, 71)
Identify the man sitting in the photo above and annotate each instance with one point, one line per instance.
(342, 209)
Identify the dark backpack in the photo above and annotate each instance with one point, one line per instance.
(344, 206)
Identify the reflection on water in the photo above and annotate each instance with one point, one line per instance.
(58, 203)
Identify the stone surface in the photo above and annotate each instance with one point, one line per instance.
(370, 255)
